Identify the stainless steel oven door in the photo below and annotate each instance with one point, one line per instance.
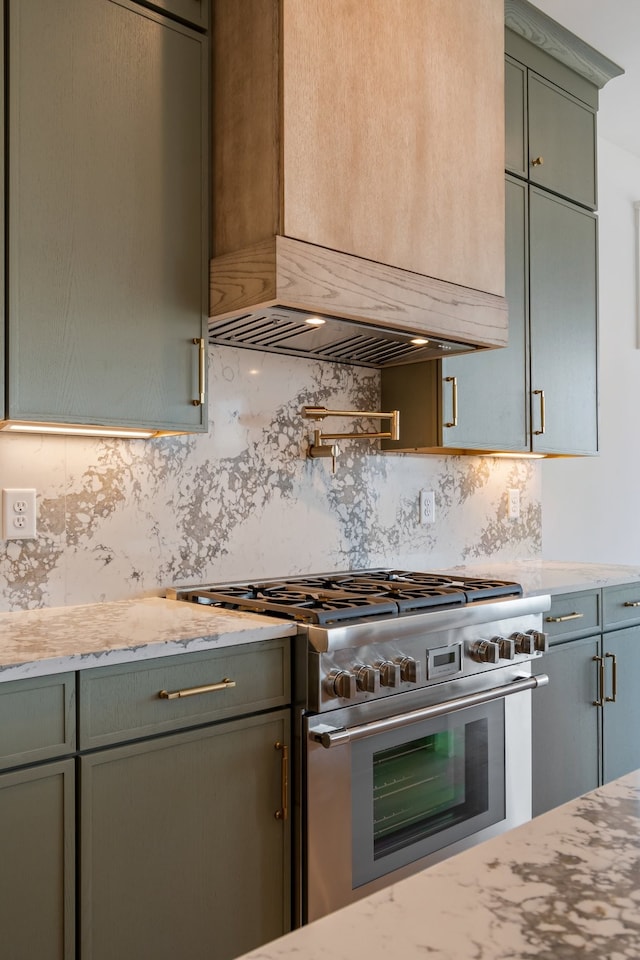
(388, 793)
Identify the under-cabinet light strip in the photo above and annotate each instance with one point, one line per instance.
(78, 431)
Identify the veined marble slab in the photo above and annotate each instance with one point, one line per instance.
(565, 886)
(58, 639)
(554, 577)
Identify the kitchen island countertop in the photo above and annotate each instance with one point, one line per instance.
(59, 639)
(565, 886)
(551, 576)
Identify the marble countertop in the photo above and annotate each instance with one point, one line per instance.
(554, 577)
(565, 886)
(58, 639)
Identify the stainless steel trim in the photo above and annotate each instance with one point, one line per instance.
(325, 639)
(337, 737)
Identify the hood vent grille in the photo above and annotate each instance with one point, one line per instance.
(287, 331)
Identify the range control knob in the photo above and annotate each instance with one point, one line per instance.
(524, 643)
(341, 684)
(409, 670)
(540, 639)
(368, 678)
(506, 646)
(389, 673)
(485, 651)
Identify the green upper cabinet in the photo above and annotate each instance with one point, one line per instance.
(550, 134)
(562, 142)
(107, 237)
(563, 318)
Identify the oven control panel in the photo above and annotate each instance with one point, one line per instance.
(351, 676)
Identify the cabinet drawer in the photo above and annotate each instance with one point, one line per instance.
(573, 614)
(621, 605)
(37, 719)
(130, 701)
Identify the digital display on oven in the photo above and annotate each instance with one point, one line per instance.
(444, 661)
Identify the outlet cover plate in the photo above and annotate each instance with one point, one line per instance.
(18, 513)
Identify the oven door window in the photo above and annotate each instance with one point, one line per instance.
(419, 789)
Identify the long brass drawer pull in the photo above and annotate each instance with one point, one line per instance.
(543, 413)
(196, 691)
(283, 812)
(567, 616)
(454, 401)
(614, 678)
(631, 603)
(600, 701)
(199, 342)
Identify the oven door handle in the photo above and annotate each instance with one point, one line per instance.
(336, 736)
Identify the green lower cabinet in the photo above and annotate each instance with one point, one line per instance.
(37, 863)
(566, 724)
(181, 851)
(621, 713)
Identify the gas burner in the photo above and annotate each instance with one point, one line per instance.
(329, 599)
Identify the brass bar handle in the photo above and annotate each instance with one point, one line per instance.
(600, 701)
(200, 343)
(631, 603)
(567, 616)
(614, 678)
(543, 413)
(196, 691)
(283, 812)
(454, 401)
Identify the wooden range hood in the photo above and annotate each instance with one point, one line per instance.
(358, 174)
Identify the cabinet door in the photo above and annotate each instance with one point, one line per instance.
(492, 388)
(563, 318)
(562, 142)
(37, 868)
(566, 733)
(181, 854)
(107, 206)
(621, 715)
(515, 112)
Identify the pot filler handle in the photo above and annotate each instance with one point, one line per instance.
(336, 736)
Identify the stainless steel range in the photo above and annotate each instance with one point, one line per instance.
(413, 697)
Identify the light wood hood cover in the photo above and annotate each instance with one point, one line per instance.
(358, 162)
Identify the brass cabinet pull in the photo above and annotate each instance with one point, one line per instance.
(283, 812)
(537, 161)
(631, 603)
(543, 413)
(614, 678)
(454, 401)
(567, 616)
(195, 691)
(600, 701)
(199, 342)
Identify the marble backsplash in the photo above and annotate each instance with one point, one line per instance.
(118, 519)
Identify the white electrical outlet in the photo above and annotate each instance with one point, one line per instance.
(513, 503)
(18, 514)
(427, 506)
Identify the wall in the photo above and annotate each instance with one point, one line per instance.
(590, 506)
(129, 518)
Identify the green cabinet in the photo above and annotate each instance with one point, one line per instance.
(550, 134)
(181, 853)
(184, 840)
(37, 819)
(566, 727)
(563, 325)
(585, 721)
(106, 237)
